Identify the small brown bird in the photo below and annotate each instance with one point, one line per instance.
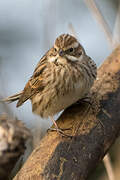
(64, 75)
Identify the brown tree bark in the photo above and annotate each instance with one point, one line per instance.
(94, 128)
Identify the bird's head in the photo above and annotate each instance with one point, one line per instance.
(66, 47)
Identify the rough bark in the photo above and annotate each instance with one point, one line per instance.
(94, 128)
(13, 136)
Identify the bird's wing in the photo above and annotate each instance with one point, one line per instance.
(35, 84)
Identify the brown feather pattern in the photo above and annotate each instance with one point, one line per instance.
(58, 82)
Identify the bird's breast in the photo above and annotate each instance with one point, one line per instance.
(61, 93)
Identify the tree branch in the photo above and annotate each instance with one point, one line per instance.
(92, 5)
(94, 129)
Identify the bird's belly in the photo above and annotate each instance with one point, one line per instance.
(51, 105)
(66, 100)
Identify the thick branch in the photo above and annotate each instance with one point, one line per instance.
(94, 130)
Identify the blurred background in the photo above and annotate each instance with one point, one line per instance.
(28, 29)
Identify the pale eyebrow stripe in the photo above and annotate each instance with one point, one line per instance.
(75, 44)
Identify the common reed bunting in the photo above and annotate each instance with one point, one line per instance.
(63, 76)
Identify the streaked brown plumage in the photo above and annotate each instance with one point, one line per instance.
(64, 75)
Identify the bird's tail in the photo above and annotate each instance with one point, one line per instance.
(13, 98)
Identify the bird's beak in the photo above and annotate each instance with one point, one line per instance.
(61, 53)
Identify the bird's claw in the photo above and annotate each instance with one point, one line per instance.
(60, 131)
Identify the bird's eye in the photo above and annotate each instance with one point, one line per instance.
(71, 50)
(55, 49)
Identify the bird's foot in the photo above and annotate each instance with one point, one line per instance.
(61, 131)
